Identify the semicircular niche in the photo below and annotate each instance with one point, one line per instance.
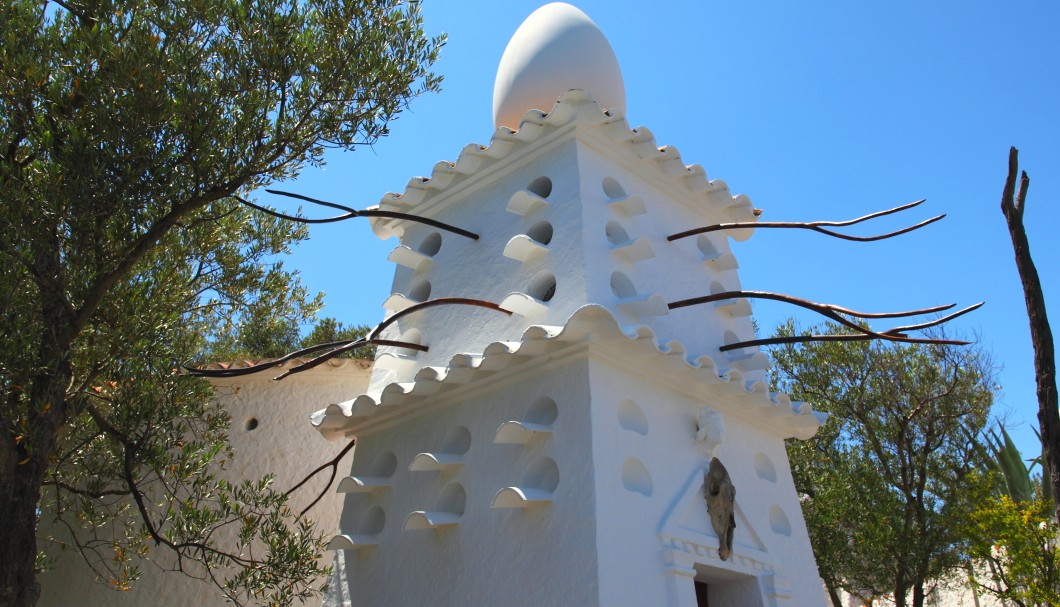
(636, 478)
(372, 521)
(542, 286)
(542, 474)
(452, 499)
(544, 411)
(764, 468)
(431, 244)
(457, 441)
(542, 186)
(778, 521)
(612, 189)
(631, 417)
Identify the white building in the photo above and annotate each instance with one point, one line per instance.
(270, 436)
(557, 456)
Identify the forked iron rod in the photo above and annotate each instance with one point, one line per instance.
(834, 313)
(816, 226)
(336, 348)
(350, 213)
(373, 335)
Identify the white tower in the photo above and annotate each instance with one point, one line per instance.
(557, 456)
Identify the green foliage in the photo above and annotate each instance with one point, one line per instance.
(1004, 460)
(125, 129)
(891, 473)
(1017, 542)
(1013, 532)
(330, 330)
(274, 333)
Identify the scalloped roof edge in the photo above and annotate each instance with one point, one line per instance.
(574, 105)
(591, 320)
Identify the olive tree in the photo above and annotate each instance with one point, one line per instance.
(892, 473)
(126, 130)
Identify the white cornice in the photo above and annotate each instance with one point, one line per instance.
(543, 347)
(605, 131)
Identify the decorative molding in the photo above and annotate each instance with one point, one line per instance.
(521, 497)
(362, 484)
(414, 260)
(422, 519)
(599, 325)
(352, 542)
(574, 111)
(526, 203)
(398, 302)
(628, 206)
(523, 248)
(520, 433)
(633, 251)
(710, 430)
(434, 462)
(721, 262)
(524, 305)
(644, 305)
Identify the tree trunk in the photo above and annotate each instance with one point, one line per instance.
(1012, 205)
(18, 551)
(833, 594)
(23, 464)
(900, 589)
(25, 456)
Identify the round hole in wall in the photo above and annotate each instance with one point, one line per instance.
(730, 337)
(631, 417)
(542, 474)
(384, 465)
(612, 189)
(372, 521)
(616, 234)
(251, 424)
(541, 232)
(764, 468)
(431, 245)
(542, 286)
(420, 291)
(453, 498)
(636, 478)
(412, 336)
(542, 186)
(622, 286)
(778, 521)
(543, 411)
(457, 441)
(706, 246)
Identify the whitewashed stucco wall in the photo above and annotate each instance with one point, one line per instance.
(543, 555)
(652, 517)
(283, 443)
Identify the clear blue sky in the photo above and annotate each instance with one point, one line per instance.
(816, 110)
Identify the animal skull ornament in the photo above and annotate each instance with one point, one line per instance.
(709, 430)
(720, 494)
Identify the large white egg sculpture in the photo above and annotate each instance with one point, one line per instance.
(556, 49)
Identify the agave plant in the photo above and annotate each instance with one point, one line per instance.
(1004, 459)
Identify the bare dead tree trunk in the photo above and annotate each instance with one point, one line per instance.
(1013, 205)
(833, 594)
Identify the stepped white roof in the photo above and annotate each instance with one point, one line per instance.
(575, 109)
(591, 323)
